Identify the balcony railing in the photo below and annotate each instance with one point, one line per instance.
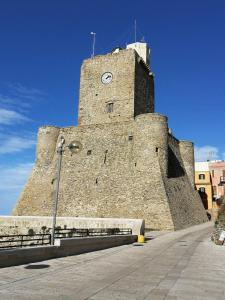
(222, 179)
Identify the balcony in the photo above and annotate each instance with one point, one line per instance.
(222, 179)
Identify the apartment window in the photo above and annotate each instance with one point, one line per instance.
(109, 108)
(202, 189)
(201, 176)
(222, 178)
(212, 173)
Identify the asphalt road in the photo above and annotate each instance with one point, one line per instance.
(176, 265)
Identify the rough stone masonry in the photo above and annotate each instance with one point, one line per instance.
(129, 165)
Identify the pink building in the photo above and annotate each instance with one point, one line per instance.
(217, 170)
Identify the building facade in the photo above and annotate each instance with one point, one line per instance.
(217, 170)
(203, 184)
(129, 165)
(210, 183)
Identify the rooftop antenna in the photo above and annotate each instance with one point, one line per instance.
(93, 45)
(135, 31)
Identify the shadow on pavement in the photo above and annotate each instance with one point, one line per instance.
(40, 266)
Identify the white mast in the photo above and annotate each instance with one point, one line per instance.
(93, 46)
(135, 31)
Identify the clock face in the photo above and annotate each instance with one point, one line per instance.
(107, 77)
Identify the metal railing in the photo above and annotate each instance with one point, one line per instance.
(73, 232)
(24, 240)
(27, 240)
(222, 179)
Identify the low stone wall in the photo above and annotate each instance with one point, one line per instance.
(219, 222)
(63, 247)
(21, 224)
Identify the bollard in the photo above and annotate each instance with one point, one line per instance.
(141, 238)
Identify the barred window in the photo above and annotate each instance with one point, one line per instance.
(202, 189)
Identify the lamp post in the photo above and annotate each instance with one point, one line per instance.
(74, 147)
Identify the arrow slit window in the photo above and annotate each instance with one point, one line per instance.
(109, 108)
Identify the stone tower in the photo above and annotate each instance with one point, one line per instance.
(115, 88)
(130, 166)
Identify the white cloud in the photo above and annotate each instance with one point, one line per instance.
(21, 91)
(14, 103)
(6, 100)
(12, 182)
(223, 156)
(14, 144)
(206, 153)
(18, 97)
(11, 117)
(14, 177)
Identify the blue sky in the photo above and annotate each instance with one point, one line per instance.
(43, 43)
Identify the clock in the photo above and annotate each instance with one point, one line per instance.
(107, 77)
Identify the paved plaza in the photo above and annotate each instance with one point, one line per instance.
(176, 265)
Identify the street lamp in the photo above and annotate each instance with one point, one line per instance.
(74, 147)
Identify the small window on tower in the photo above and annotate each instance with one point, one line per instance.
(130, 137)
(201, 176)
(109, 108)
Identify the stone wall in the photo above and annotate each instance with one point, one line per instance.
(187, 157)
(40, 224)
(185, 203)
(144, 89)
(219, 222)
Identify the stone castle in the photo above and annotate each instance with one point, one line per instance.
(129, 164)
